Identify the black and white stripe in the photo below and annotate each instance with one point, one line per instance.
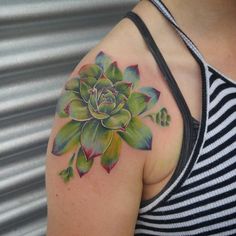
(202, 199)
(205, 203)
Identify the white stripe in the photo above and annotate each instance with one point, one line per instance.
(196, 198)
(218, 128)
(229, 232)
(191, 232)
(191, 211)
(222, 110)
(215, 84)
(207, 161)
(220, 96)
(219, 141)
(211, 171)
(191, 222)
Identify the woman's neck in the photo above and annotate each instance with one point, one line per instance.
(204, 16)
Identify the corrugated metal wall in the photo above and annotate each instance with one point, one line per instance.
(40, 44)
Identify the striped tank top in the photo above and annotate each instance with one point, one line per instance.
(200, 198)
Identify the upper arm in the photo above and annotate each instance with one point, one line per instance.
(97, 149)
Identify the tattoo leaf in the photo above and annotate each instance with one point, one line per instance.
(137, 103)
(95, 139)
(163, 118)
(73, 84)
(82, 164)
(113, 73)
(90, 70)
(78, 111)
(111, 155)
(123, 88)
(103, 60)
(67, 138)
(153, 93)
(67, 174)
(64, 101)
(137, 135)
(131, 75)
(118, 121)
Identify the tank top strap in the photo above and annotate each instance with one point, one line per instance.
(189, 43)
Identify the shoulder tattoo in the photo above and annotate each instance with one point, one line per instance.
(106, 107)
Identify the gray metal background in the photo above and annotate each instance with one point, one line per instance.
(40, 44)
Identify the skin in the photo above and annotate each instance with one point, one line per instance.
(107, 204)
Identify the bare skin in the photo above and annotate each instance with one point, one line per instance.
(107, 204)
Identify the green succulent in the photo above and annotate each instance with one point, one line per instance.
(104, 106)
(162, 117)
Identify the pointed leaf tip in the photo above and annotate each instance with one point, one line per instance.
(132, 75)
(113, 73)
(111, 155)
(82, 164)
(154, 95)
(137, 135)
(67, 138)
(95, 139)
(103, 60)
(137, 103)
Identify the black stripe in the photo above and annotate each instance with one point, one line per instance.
(209, 177)
(229, 82)
(187, 218)
(217, 90)
(200, 192)
(213, 78)
(184, 228)
(222, 102)
(220, 120)
(211, 165)
(221, 133)
(223, 229)
(219, 148)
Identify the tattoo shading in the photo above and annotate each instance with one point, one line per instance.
(104, 105)
(162, 117)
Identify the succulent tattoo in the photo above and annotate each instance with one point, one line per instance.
(104, 105)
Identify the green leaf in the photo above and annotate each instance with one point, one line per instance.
(120, 102)
(153, 93)
(73, 84)
(90, 70)
(113, 73)
(67, 138)
(111, 155)
(131, 74)
(84, 90)
(107, 102)
(137, 103)
(63, 101)
(163, 118)
(95, 139)
(82, 164)
(137, 135)
(118, 121)
(103, 83)
(93, 98)
(67, 174)
(106, 107)
(78, 110)
(72, 160)
(103, 60)
(96, 114)
(123, 88)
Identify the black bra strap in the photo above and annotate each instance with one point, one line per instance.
(189, 132)
(162, 64)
